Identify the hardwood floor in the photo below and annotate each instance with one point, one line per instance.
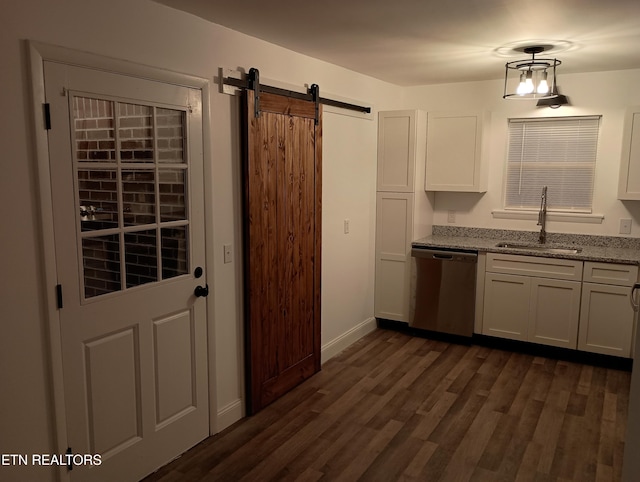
(394, 407)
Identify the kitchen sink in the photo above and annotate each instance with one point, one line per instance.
(539, 247)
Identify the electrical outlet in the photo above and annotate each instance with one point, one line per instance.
(346, 226)
(625, 226)
(451, 217)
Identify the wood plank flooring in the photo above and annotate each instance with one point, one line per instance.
(394, 407)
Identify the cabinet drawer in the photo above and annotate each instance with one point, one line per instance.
(557, 268)
(610, 274)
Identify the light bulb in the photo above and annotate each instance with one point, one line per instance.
(543, 86)
(529, 88)
(522, 86)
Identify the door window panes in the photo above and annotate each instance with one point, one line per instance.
(141, 259)
(174, 252)
(171, 131)
(139, 197)
(101, 265)
(98, 196)
(135, 133)
(94, 130)
(131, 171)
(172, 194)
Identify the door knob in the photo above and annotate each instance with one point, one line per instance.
(201, 291)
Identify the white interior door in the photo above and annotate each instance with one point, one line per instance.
(127, 187)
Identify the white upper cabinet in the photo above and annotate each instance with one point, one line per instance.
(401, 150)
(629, 185)
(456, 151)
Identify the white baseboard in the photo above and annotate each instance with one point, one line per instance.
(335, 346)
(229, 414)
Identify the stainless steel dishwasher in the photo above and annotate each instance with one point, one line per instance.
(443, 290)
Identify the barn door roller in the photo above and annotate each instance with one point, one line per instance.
(252, 82)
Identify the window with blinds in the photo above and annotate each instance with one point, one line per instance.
(558, 152)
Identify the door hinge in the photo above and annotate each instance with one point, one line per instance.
(69, 459)
(59, 296)
(47, 116)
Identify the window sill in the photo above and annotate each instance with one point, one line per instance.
(551, 216)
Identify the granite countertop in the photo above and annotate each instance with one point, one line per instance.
(604, 249)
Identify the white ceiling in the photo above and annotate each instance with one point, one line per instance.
(417, 42)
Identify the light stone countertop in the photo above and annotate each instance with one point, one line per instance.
(603, 249)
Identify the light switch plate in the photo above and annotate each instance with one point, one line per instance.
(228, 254)
(451, 217)
(346, 226)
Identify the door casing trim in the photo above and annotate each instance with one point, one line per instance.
(38, 53)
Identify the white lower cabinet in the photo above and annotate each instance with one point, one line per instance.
(550, 301)
(394, 218)
(607, 319)
(400, 218)
(506, 306)
(526, 307)
(554, 312)
(532, 309)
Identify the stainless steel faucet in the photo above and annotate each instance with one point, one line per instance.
(542, 216)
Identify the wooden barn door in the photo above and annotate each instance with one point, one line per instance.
(282, 252)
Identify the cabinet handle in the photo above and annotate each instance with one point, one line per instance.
(632, 297)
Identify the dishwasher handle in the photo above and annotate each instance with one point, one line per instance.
(443, 255)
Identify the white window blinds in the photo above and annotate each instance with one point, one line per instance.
(557, 152)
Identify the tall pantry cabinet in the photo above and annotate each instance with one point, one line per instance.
(404, 211)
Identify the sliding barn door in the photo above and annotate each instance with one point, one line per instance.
(283, 199)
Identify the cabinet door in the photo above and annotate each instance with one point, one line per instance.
(394, 219)
(506, 306)
(396, 151)
(629, 184)
(555, 312)
(454, 152)
(606, 320)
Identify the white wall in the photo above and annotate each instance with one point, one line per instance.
(604, 93)
(348, 193)
(148, 33)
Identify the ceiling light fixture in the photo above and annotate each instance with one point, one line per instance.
(553, 102)
(528, 79)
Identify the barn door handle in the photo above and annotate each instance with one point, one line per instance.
(201, 291)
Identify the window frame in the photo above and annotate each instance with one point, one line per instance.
(588, 162)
